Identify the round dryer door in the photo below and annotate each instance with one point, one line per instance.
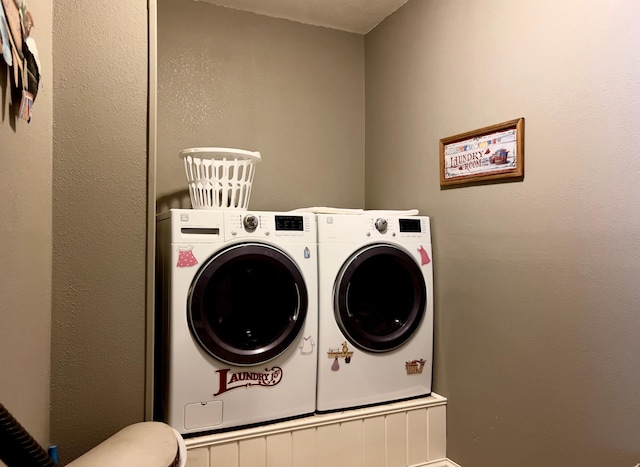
(247, 304)
(379, 298)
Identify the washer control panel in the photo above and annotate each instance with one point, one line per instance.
(210, 226)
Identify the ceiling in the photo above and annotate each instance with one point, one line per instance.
(358, 16)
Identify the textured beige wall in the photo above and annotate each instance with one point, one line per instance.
(291, 91)
(99, 206)
(536, 282)
(25, 244)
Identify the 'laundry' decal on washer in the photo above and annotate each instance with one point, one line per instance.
(424, 256)
(186, 259)
(243, 379)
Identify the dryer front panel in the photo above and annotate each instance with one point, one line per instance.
(247, 304)
(379, 297)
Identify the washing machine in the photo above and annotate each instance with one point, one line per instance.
(375, 342)
(236, 321)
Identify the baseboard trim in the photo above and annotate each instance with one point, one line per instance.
(439, 463)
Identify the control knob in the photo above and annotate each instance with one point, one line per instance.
(381, 225)
(250, 223)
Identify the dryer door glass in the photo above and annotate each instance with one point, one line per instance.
(379, 298)
(247, 304)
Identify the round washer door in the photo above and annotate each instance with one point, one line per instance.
(247, 304)
(379, 298)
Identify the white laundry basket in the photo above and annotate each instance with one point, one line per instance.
(219, 178)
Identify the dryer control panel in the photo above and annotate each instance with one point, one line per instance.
(361, 227)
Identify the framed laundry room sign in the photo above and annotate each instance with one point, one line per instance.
(495, 152)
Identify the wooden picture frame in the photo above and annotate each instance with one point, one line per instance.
(491, 153)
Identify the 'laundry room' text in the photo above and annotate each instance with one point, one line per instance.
(244, 379)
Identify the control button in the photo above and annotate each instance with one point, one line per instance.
(250, 223)
(381, 225)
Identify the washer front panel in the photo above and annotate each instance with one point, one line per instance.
(197, 392)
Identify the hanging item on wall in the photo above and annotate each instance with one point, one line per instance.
(20, 53)
(492, 153)
(4, 38)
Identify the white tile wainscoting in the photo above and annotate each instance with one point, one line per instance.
(408, 433)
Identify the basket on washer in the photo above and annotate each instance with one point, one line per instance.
(219, 178)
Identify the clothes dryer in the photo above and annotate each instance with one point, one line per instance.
(375, 309)
(236, 322)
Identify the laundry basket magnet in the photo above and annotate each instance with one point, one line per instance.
(219, 178)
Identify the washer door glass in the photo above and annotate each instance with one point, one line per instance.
(247, 304)
(379, 298)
